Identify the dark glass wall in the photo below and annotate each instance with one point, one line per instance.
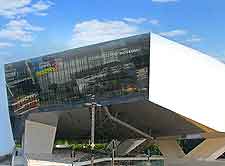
(106, 71)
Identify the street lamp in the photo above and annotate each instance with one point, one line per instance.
(92, 107)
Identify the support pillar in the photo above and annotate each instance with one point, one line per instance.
(170, 149)
(210, 149)
(128, 145)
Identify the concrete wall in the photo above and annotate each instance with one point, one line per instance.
(6, 137)
(39, 138)
(187, 82)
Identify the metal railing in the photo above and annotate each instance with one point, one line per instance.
(121, 159)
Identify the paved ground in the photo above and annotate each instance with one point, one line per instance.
(66, 160)
(193, 163)
(4, 163)
(19, 161)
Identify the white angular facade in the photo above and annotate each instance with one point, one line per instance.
(187, 82)
(6, 137)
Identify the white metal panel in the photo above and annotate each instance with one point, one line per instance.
(39, 138)
(6, 137)
(188, 82)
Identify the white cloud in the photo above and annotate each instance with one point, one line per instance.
(20, 8)
(154, 22)
(41, 14)
(20, 30)
(164, 1)
(42, 5)
(174, 33)
(187, 37)
(9, 8)
(26, 45)
(5, 45)
(13, 4)
(141, 20)
(95, 31)
(135, 20)
(194, 39)
(22, 24)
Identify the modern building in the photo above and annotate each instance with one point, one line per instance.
(145, 88)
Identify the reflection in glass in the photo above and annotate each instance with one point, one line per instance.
(107, 70)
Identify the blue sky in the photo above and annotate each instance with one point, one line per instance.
(31, 28)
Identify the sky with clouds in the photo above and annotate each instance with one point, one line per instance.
(30, 28)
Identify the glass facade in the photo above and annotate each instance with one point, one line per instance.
(109, 70)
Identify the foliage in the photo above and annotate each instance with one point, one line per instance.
(153, 150)
(79, 146)
(18, 146)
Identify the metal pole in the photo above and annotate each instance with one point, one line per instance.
(93, 107)
(92, 126)
(126, 124)
(113, 152)
(92, 160)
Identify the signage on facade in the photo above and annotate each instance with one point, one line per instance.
(45, 68)
(122, 51)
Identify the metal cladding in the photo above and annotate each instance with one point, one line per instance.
(107, 71)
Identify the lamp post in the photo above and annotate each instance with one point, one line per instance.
(93, 108)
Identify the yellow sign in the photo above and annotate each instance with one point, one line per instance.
(45, 71)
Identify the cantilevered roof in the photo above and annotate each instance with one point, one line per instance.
(143, 115)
